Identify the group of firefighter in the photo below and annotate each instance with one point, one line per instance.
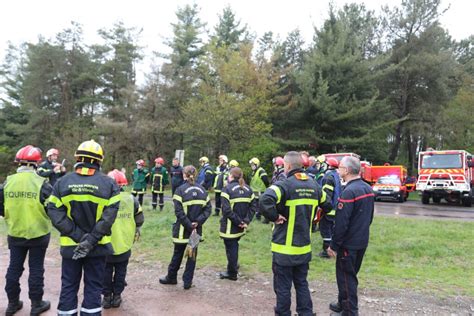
(99, 221)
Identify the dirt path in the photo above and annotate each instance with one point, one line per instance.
(250, 295)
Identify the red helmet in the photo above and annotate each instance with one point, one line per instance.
(278, 161)
(305, 159)
(140, 162)
(28, 154)
(160, 160)
(332, 162)
(118, 176)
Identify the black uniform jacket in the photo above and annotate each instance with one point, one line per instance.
(46, 170)
(354, 215)
(238, 206)
(296, 198)
(84, 202)
(191, 204)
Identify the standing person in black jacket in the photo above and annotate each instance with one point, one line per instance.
(354, 215)
(192, 207)
(176, 172)
(51, 168)
(291, 204)
(238, 207)
(83, 207)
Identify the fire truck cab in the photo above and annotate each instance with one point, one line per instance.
(447, 174)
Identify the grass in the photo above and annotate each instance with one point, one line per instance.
(428, 256)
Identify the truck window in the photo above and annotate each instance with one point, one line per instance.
(448, 161)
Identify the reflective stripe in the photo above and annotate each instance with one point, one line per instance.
(332, 213)
(232, 235)
(57, 202)
(328, 186)
(181, 241)
(92, 310)
(225, 196)
(229, 226)
(288, 248)
(241, 200)
(177, 198)
(70, 312)
(323, 197)
(194, 202)
(291, 250)
(114, 199)
(277, 192)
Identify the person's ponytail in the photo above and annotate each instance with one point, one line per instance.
(237, 174)
(190, 173)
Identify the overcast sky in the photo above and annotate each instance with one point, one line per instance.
(24, 20)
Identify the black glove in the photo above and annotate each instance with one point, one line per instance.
(83, 249)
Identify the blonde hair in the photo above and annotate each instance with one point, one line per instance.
(190, 173)
(237, 173)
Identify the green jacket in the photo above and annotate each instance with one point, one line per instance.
(159, 178)
(140, 179)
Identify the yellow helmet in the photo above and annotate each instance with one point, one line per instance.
(233, 163)
(204, 159)
(254, 161)
(321, 158)
(90, 149)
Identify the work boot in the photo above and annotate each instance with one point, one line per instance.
(38, 307)
(154, 207)
(13, 307)
(161, 207)
(324, 254)
(227, 275)
(167, 280)
(187, 286)
(117, 300)
(335, 307)
(107, 301)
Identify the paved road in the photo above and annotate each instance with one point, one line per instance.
(417, 210)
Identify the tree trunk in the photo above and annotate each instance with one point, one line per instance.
(396, 144)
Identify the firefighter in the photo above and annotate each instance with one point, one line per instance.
(51, 168)
(83, 207)
(159, 180)
(176, 172)
(291, 205)
(312, 170)
(238, 207)
(279, 170)
(140, 178)
(258, 181)
(305, 157)
(222, 172)
(192, 208)
(125, 230)
(331, 184)
(355, 212)
(22, 204)
(206, 174)
(321, 166)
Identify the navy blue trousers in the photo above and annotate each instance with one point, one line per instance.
(283, 278)
(71, 275)
(348, 264)
(326, 229)
(232, 253)
(176, 263)
(218, 202)
(114, 278)
(15, 270)
(154, 200)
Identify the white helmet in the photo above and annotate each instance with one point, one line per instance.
(224, 157)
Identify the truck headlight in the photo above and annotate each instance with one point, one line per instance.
(396, 189)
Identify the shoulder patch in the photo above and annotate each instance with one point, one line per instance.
(340, 205)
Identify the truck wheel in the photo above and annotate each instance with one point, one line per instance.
(401, 199)
(436, 199)
(425, 198)
(467, 201)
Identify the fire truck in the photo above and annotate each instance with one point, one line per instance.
(389, 182)
(446, 175)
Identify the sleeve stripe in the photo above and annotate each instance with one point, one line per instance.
(114, 200)
(357, 198)
(277, 192)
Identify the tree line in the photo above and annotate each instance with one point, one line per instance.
(384, 86)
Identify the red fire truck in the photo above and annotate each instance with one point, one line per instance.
(447, 174)
(389, 182)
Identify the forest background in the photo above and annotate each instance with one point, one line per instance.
(382, 85)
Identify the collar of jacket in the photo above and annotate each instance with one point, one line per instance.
(25, 169)
(86, 165)
(292, 172)
(350, 181)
